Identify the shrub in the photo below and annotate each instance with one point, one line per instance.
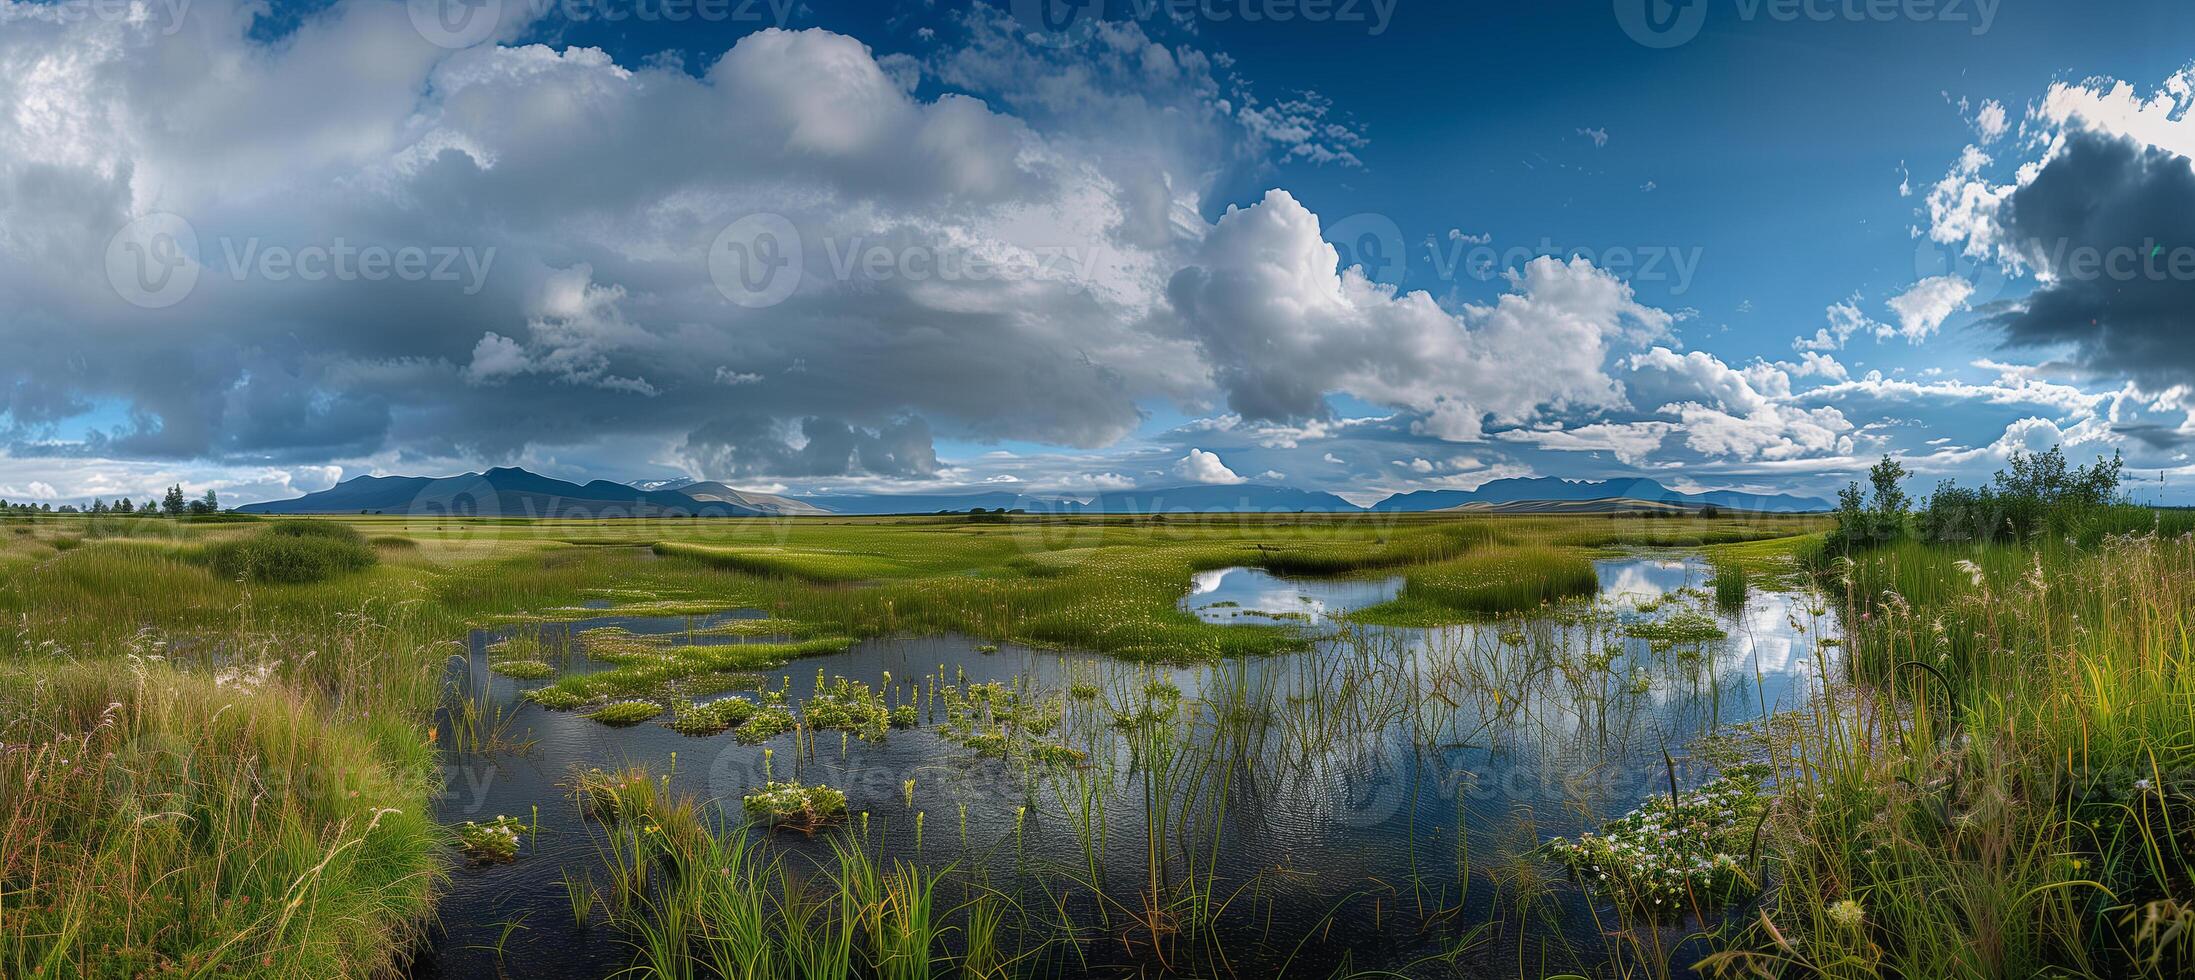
(2038, 495)
(313, 529)
(293, 552)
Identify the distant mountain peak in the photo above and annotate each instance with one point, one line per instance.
(511, 491)
(1516, 490)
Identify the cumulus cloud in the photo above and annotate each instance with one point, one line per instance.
(1632, 443)
(1203, 467)
(1845, 319)
(597, 319)
(754, 445)
(1990, 122)
(1725, 411)
(2102, 224)
(2098, 220)
(1924, 306)
(1283, 324)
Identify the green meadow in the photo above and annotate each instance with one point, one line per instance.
(222, 738)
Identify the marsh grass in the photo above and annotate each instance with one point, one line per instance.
(1494, 580)
(2006, 790)
(292, 552)
(155, 821)
(660, 673)
(126, 649)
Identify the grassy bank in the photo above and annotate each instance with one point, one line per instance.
(2003, 788)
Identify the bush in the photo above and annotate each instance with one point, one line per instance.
(314, 529)
(2039, 495)
(293, 552)
(219, 517)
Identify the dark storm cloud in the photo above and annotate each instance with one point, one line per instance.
(2109, 225)
(754, 446)
(582, 197)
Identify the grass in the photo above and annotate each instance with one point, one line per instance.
(296, 842)
(789, 804)
(292, 552)
(1498, 579)
(659, 674)
(2003, 791)
(154, 822)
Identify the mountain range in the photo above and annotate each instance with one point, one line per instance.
(1552, 490)
(513, 492)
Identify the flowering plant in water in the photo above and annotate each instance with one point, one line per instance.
(492, 842)
(1671, 855)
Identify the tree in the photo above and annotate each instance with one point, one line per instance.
(173, 503)
(124, 506)
(1891, 501)
(2035, 495)
(1864, 522)
(213, 503)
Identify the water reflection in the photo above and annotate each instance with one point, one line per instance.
(1233, 595)
(1330, 790)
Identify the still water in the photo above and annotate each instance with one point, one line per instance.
(1361, 805)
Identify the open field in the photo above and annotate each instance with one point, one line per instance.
(241, 778)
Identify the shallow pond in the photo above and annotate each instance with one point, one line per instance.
(1231, 595)
(1367, 802)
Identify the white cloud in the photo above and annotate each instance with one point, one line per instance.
(1725, 411)
(1632, 443)
(1990, 122)
(495, 358)
(1845, 319)
(1812, 364)
(2033, 435)
(1923, 308)
(1203, 467)
(1283, 325)
(2115, 107)
(2014, 385)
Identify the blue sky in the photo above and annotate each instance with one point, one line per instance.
(1807, 235)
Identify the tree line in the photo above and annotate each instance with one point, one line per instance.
(2037, 494)
(172, 504)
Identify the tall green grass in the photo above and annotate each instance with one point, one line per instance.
(157, 823)
(2004, 789)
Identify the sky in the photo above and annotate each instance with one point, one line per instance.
(1365, 246)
